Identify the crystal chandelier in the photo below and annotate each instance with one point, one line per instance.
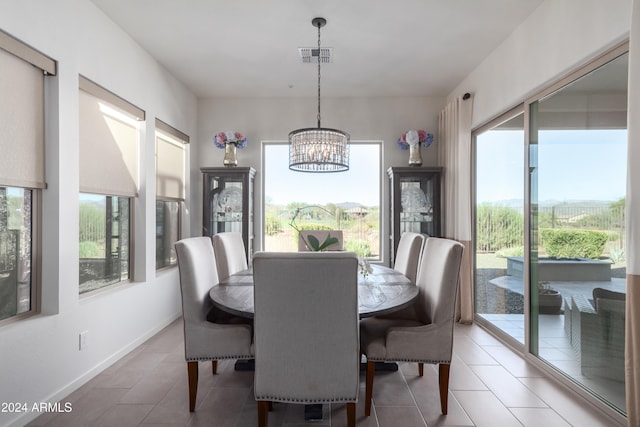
(318, 149)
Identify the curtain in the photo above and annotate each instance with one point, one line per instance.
(454, 154)
(632, 325)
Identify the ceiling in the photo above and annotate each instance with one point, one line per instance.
(249, 48)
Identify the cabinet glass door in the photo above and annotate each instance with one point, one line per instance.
(225, 204)
(416, 201)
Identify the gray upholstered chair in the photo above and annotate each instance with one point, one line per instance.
(204, 340)
(306, 329)
(427, 336)
(321, 235)
(598, 331)
(230, 253)
(408, 254)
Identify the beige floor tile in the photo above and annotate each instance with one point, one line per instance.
(485, 410)
(536, 417)
(394, 416)
(512, 362)
(123, 416)
(507, 388)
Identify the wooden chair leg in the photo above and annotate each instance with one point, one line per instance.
(443, 379)
(214, 367)
(263, 412)
(192, 374)
(420, 369)
(351, 414)
(371, 368)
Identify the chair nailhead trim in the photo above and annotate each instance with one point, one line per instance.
(294, 400)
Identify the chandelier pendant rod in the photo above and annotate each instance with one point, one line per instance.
(319, 23)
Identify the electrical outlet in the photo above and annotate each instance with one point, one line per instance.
(83, 340)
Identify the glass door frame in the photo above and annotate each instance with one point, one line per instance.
(502, 118)
(527, 350)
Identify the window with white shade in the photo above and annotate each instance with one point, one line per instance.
(170, 191)
(22, 173)
(109, 146)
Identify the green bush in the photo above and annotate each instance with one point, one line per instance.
(506, 252)
(89, 250)
(360, 247)
(272, 224)
(498, 227)
(561, 243)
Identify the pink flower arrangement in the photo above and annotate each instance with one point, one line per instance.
(236, 138)
(415, 137)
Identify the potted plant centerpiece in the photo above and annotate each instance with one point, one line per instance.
(549, 299)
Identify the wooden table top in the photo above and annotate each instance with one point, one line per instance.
(383, 292)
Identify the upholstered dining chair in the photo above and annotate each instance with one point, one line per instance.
(205, 340)
(230, 253)
(426, 336)
(306, 329)
(408, 254)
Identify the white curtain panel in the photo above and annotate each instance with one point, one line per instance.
(454, 154)
(632, 326)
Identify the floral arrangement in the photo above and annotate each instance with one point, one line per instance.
(236, 138)
(365, 267)
(415, 137)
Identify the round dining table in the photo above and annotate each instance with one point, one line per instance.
(382, 291)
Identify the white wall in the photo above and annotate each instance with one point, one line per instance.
(271, 119)
(558, 36)
(39, 356)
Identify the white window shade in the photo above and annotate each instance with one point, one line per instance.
(21, 123)
(170, 169)
(109, 141)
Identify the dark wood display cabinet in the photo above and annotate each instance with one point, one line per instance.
(416, 203)
(228, 203)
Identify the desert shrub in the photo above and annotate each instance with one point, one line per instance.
(515, 251)
(360, 247)
(89, 250)
(561, 243)
(273, 225)
(498, 227)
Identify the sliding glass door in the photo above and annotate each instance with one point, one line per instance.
(499, 224)
(577, 161)
(550, 186)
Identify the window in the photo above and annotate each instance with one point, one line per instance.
(170, 190)
(22, 178)
(349, 201)
(109, 139)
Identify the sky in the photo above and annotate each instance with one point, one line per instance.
(361, 183)
(573, 165)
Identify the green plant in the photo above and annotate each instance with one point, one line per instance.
(507, 252)
(561, 243)
(273, 225)
(311, 241)
(89, 250)
(498, 227)
(616, 255)
(360, 247)
(545, 288)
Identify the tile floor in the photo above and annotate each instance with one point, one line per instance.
(489, 386)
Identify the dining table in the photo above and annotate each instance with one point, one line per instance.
(382, 291)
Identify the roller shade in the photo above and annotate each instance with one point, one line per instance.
(170, 162)
(109, 146)
(21, 123)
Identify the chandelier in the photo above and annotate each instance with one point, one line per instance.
(318, 149)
